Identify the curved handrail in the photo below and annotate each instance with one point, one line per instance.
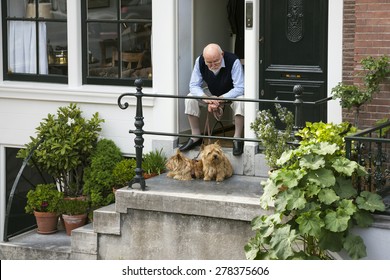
(13, 189)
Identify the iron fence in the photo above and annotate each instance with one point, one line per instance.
(371, 149)
(139, 120)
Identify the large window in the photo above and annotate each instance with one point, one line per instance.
(35, 45)
(117, 41)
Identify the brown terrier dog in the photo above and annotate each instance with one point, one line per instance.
(183, 168)
(215, 163)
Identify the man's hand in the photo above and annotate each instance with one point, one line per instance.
(212, 104)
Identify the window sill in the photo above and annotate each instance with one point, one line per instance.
(91, 94)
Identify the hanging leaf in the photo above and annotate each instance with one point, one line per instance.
(370, 202)
(354, 245)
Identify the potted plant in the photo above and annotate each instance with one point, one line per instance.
(153, 163)
(43, 202)
(315, 206)
(375, 70)
(274, 141)
(124, 172)
(98, 177)
(74, 213)
(64, 142)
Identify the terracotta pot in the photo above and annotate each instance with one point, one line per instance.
(149, 175)
(46, 222)
(72, 222)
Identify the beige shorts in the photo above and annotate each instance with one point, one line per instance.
(192, 106)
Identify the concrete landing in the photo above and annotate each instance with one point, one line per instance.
(235, 198)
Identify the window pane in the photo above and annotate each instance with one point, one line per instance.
(22, 51)
(119, 49)
(36, 40)
(59, 10)
(102, 9)
(102, 41)
(136, 9)
(57, 48)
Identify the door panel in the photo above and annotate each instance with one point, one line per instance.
(293, 50)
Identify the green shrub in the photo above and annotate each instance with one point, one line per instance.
(124, 172)
(98, 177)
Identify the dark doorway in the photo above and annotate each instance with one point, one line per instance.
(293, 50)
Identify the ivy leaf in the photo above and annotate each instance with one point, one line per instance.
(312, 162)
(325, 148)
(336, 221)
(267, 198)
(344, 188)
(252, 249)
(295, 199)
(288, 178)
(370, 202)
(328, 196)
(281, 202)
(346, 166)
(285, 157)
(310, 223)
(312, 189)
(347, 207)
(282, 242)
(355, 247)
(331, 241)
(322, 177)
(363, 218)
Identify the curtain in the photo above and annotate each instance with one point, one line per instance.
(22, 43)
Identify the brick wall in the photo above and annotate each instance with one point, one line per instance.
(366, 33)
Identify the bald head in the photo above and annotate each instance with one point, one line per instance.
(212, 50)
(213, 55)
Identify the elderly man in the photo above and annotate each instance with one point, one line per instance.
(222, 74)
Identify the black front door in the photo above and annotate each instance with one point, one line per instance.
(293, 50)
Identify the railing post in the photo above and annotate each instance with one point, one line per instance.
(139, 140)
(298, 102)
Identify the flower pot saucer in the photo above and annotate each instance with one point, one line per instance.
(47, 232)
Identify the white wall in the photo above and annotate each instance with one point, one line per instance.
(185, 43)
(335, 56)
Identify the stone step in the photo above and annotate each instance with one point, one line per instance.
(34, 246)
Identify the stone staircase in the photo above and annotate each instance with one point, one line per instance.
(170, 220)
(173, 220)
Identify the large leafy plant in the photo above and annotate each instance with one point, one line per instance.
(274, 141)
(64, 142)
(315, 207)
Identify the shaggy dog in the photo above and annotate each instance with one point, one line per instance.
(215, 163)
(183, 168)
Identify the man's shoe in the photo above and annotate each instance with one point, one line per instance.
(238, 147)
(190, 145)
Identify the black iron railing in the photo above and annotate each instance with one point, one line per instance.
(139, 120)
(371, 149)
